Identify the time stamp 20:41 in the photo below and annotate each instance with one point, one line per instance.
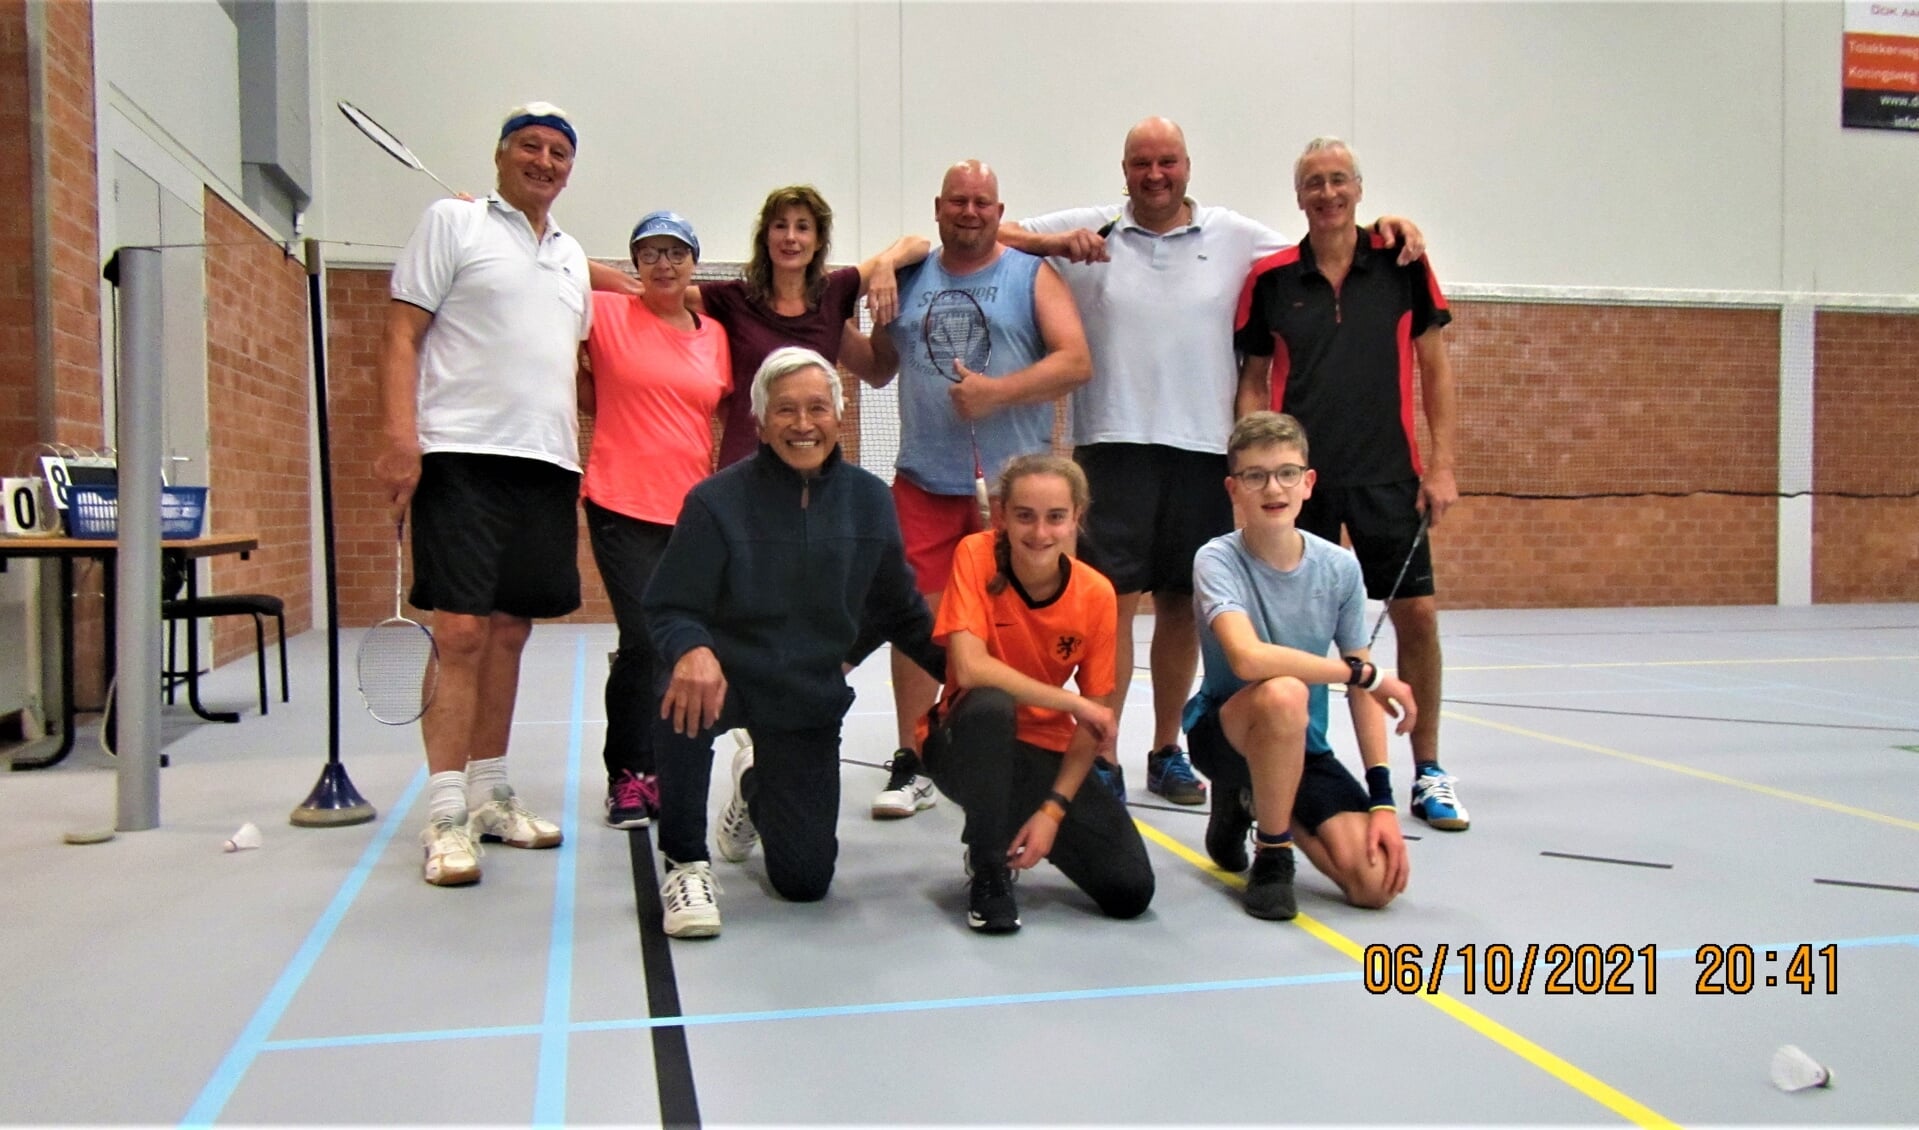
(1592, 970)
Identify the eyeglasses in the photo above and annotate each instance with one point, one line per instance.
(676, 254)
(1287, 475)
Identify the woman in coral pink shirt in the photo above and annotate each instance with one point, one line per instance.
(652, 374)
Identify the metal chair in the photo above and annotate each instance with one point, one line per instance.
(175, 608)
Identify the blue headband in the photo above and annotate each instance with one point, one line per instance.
(550, 121)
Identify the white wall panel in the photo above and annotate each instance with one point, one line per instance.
(1049, 96)
(1592, 144)
(178, 62)
(700, 108)
(1681, 145)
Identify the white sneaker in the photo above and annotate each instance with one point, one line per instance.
(687, 897)
(907, 789)
(505, 820)
(737, 835)
(452, 858)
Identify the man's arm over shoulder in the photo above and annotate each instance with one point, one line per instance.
(1077, 235)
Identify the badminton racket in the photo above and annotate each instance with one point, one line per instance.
(955, 332)
(1397, 581)
(393, 145)
(399, 665)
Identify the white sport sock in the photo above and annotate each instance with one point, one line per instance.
(446, 796)
(483, 775)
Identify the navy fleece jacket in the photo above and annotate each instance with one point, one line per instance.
(785, 578)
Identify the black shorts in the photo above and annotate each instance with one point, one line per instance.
(1326, 787)
(1381, 522)
(1153, 507)
(495, 533)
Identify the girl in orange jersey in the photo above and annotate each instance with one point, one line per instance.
(1007, 741)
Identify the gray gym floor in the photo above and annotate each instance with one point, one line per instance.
(1748, 753)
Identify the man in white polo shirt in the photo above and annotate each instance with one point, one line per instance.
(1156, 280)
(490, 303)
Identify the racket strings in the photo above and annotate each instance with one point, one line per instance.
(398, 667)
(956, 329)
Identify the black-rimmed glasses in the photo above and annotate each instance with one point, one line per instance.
(1287, 475)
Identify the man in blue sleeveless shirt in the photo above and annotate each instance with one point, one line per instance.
(1039, 354)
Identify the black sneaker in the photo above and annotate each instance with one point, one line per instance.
(1269, 889)
(1171, 775)
(991, 910)
(1226, 829)
(1112, 777)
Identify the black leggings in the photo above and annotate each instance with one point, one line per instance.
(974, 758)
(792, 793)
(627, 550)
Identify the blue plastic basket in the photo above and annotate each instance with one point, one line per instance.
(94, 511)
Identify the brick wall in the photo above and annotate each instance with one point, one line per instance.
(74, 255)
(1554, 399)
(1562, 399)
(19, 363)
(257, 372)
(1866, 440)
(72, 196)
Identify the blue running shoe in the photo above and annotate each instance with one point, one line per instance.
(1111, 776)
(1434, 800)
(1170, 774)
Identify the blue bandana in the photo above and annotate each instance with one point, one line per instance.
(550, 121)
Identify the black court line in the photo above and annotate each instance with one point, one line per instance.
(1607, 859)
(1682, 717)
(1868, 886)
(672, 1063)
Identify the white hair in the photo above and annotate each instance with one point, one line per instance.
(1321, 145)
(783, 363)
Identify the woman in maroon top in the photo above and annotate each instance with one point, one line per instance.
(788, 297)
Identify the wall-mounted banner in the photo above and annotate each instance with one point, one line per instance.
(1880, 76)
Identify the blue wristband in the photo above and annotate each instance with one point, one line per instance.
(1379, 787)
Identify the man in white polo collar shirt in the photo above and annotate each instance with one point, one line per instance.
(490, 303)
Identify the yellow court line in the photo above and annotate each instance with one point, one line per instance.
(1680, 663)
(1702, 774)
(1613, 1099)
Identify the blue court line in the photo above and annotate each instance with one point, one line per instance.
(885, 1007)
(253, 1038)
(549, 1095)
(703, 1019)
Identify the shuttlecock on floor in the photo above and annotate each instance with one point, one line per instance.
(247, 837)
(1794, 1070)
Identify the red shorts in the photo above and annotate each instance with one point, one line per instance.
(932, 526)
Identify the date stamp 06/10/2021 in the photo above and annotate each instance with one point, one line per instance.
(1590, 969)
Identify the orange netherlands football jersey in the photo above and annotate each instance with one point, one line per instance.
(1069, 636)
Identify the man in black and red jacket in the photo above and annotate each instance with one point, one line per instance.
(1332, 331)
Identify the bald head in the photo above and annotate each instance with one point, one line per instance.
(1156, 130)
(968, 212)
(1157, 169)
(971, 174)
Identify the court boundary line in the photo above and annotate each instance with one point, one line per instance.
(940, 1004)
(253, 1037)
(1689, 771)
(1587, 1084)
(549, 1089)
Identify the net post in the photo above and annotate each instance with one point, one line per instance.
(334, 802)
